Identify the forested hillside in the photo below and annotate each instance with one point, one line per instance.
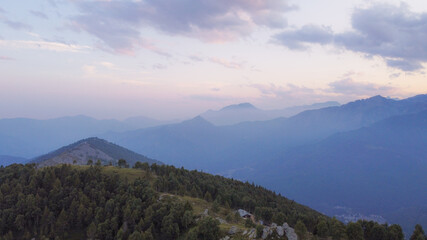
(147, 202)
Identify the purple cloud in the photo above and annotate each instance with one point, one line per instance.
(298, 39)
(118, 24)
(393, 33)
(405, 65)
(350, 87)
(39, 14)
(17, 25)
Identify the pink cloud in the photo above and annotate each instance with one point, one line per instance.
(119, 24)
(6, 58)
(227, 64)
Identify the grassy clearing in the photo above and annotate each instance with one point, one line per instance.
(199, 205)
(130, 174)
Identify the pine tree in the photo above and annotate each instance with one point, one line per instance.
(354, 231)
(395, 232)
(62, 223)
(208, 197)
(91, 231)
(322, 228)
(300, 229)
(418, 233)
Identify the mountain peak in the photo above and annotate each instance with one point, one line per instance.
(240, 106)
(90, 149)
(376, 98)
(374, 101)
(199, 121)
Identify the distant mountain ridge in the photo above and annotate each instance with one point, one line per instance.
(91, 149)
(198, 144)
(31, 137)
(7, 160)
(239, 106)
(243, 112)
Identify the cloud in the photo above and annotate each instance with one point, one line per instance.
(394, 33)
(227, 64)
(196, 58)
(298, 39)
(209, 98)
(160, 66)
(6, 58)
(39, 14)
(283, 92)
(350, 87)
(394, 75)
(405, 65)
(120, 24)
(17, 25)
(43, 45)
(342, 90)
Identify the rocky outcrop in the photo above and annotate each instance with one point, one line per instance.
(266, 232)
(290, 233)
(205, 213)
(220, 220)
(233, 230)
(250, 234)
(273, 231)
(280, 231)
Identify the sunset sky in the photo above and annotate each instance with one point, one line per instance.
(177, 58)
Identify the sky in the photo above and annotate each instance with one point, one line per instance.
(170, 59)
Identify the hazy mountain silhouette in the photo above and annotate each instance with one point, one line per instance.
(7, 160)
(244, 112)
(138, 122)
(29, 137)
(199, 144)
(91, 149)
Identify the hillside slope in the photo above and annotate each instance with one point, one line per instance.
(91, 149)
(159, 202)
(380, 169)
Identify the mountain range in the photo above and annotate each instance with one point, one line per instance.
(199, 144)
(367, 155)
(27, 138)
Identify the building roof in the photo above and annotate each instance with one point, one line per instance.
(243, 213)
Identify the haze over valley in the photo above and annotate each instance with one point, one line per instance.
(213, 119)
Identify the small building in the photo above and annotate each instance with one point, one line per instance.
(244, 213)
